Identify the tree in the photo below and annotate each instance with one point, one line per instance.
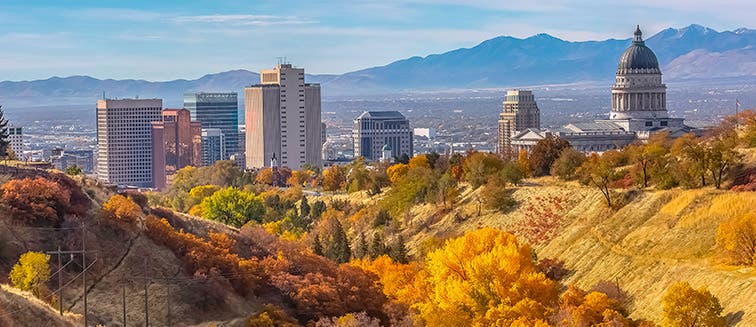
(398, 251)
(403, 158)
(336, 243)
(448, 190)
(31, 272)
(233, 207)
(599, 172)
(121, 208)
(722, 156)
(496, 196)
(684, 306)
(304, 207)
(73, 170)
(36, 200)
(396, 172)
(377, 247)
(318, 207)
(567, 164)
(511, 173)
(317, 247)
(524, 163)
(737, 238)
(650, 156)
(265, 176)
(692, 151)
(578, 308)
(334, 178)
(479, 166)
(383, 218)
(484, 278)
(4, 141)
(544, 153)
(358, 177)
(361, 250)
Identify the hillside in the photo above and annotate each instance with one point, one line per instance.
(657, 238)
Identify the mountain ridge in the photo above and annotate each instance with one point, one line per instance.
(497, 62)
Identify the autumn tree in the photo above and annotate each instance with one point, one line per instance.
(377, 247)
(73, 170)
(684, 306)
(361, 249)
(722, 156)
(31, 272)
(358, 177)
(544, 153)
(578, 308)
(265, 176)
(479, 166)
(398, 250)
(599, 172)
(737, 238)
(121, 208)
(483, 278)
(649, 157)
(36, 200)
(524, 163)
(448, 190)
(334, 178)
(233, 207)
(396, 172)
(692, 151)
(566, 165)
(494, 195)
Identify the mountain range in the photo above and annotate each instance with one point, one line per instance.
(690, 53)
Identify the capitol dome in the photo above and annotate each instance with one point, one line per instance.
(638, 58)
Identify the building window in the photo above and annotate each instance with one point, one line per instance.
(663, 123)
(649, 123)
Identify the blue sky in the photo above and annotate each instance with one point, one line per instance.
(169, 39)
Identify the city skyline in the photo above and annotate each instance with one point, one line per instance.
(172, 40)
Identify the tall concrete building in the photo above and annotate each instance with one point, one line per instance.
(217, 110)
(124, 140)
(374, 129)
(519, 112)
(16, 139)
(282, 118)
(213, 145)
(177, 143)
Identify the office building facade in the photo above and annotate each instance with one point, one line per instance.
(374, 129)
(16, 139)
(124, 140)
(282, 118)
(519, 112)
(177, 143)
(213, 145)
(217, 110)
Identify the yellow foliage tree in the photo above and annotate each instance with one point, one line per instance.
(737, 237)
(686, 307)
(396, 172)
(419, 161)
(486, 278)
(405, 283)
(30, 273)
(578, 308)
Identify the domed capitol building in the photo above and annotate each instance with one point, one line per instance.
(639, 109)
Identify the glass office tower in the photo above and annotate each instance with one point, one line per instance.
(217, 110)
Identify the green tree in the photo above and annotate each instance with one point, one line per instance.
(544, 153)
(318, 208)
(692, 151)
(31, 272)
(684, 306)
(377, 247)
(479, 166)
(565, 167)
(336, 243)
(73, 170)
(304, 207)
(317, 247)
(362, 249)
(383, 218)
(4, 141)
(448, 191)
(398, 251)
(511, 173)
(233, 207)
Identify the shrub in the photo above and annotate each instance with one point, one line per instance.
(737, 238)
(685, 306)
(36, 200)
(31, 272)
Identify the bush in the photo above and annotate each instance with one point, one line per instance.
(566, 166)
(685, 306)
(36, 200)
(31, 272)
(737, 239)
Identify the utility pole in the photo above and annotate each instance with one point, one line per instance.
(60, 283)
(146, 307)
(84, 266)
(123, 298)
(168, 301)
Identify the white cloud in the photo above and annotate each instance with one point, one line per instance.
(244, 20)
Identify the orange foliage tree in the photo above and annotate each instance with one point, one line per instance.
(121, 208)
(36, 200)
(578, 308)
(737, 238)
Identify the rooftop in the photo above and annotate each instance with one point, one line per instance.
(381, 115)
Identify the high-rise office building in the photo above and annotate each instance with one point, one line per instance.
(177, 143)
(519, 112)
(374, 129)
(16, 139)
(62, 159)
(217, 110)
(282, 118)
(213, 145)
(124, 140)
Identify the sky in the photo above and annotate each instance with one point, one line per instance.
(169, 39)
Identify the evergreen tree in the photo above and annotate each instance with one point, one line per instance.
(377, 247)
(398, 251)
(318, 208)
(4, 142)
(382, 219)
(361, 249)
(337, 248)
(304, 207)
(317, 248)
